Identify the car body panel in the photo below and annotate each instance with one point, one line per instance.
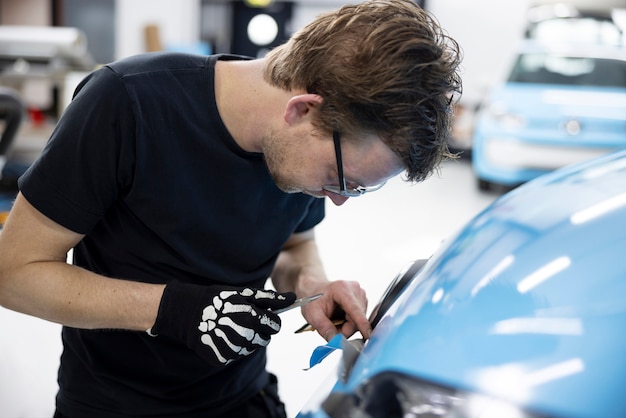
(526, 304)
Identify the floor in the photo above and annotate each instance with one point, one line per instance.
(369, 239)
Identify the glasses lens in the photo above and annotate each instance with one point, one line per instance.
(348, 192)
(344, 189)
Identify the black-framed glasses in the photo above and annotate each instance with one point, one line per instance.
(343, 189)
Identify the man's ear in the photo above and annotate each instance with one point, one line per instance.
(300, 106)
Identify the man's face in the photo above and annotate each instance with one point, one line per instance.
(307, 163)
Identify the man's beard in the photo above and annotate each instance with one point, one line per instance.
(274, 153)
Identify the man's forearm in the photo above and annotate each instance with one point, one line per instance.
(75, 297)
(299, 268)
(36, 280)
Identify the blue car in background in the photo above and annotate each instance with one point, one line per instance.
(561, 104)
(522, 314)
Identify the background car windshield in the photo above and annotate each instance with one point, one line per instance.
(558, 69)
(589, 30)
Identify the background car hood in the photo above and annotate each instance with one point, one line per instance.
(528, 303)
(540, 100)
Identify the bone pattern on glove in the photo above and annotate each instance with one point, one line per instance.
(218, 324)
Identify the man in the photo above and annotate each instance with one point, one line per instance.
(183, 182)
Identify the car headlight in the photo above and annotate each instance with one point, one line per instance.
(507, 119)
(391, 394)
(511, 121)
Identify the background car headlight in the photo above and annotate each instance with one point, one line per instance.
(499, 113)
(390, 395)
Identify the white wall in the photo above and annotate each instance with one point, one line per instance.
(487, 31)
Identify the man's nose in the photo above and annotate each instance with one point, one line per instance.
(337, 199)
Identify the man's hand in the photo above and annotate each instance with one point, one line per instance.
(221, 324)
(299, 268)
(345, 299)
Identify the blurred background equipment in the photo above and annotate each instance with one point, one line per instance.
(12, 112)
(256, 30)
(41, 52)
(37, 60)
(35, 63)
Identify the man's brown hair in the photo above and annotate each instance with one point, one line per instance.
(384, 67)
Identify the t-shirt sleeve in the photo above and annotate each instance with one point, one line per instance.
(89, 158)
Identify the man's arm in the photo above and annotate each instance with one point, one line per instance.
(299, 269)
(36, 280)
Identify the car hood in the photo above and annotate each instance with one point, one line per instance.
(540, 100)
(527, 303)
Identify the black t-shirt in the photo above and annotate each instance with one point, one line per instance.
(143, 165)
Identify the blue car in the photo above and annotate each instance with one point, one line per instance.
(560, 105)
(522, 314)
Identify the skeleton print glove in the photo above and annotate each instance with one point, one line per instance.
(221, 324)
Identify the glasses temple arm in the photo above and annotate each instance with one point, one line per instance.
(342, 179)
